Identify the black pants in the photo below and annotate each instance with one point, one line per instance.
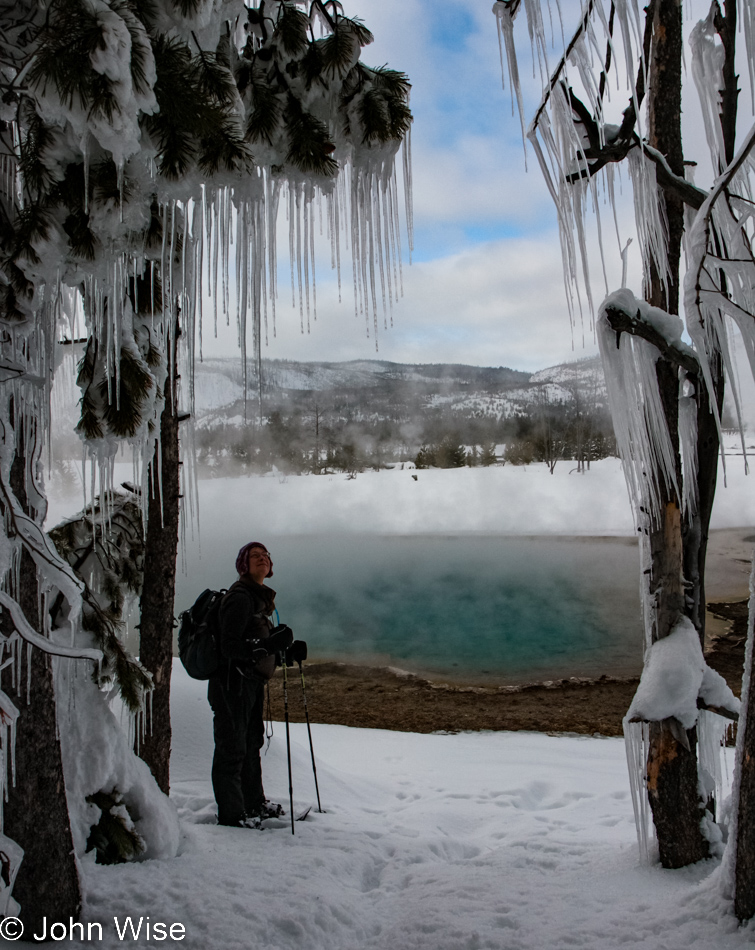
(239, 730)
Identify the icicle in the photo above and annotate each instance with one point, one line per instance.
(505, 31)
(707, 71)
(215, 226)
(377, 221)
(650, 217)
(711, 737)
(636, 742)
(291, 242)
(642, 438)
(688, 447)
(746, 18)
(303, 250)
(298, 250)
(85, 150)
(406, 152)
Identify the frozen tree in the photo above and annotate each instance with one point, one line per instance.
(665, 394)
(115, 805)
(104, 546)
(141, 144)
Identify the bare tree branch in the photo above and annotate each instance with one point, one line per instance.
(622, 321)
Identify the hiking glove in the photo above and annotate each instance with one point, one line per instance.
(296, 653)
(280, 638)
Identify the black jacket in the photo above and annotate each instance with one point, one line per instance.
(244, 621)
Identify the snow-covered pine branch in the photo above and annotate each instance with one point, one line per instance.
(104, 545)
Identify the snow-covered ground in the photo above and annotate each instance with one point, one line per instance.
(508, 841)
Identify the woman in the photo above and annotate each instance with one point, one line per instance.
(248, 645)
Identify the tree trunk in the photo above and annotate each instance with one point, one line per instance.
(697, 526)
(159, 587)
(672, 773)
(672, 761)
(36, 813)
(744, 887)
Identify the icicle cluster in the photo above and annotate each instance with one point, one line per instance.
(130, 209)
(291, 123)
(637, 746)
(642, 437)
(720, 256)
(566, 140)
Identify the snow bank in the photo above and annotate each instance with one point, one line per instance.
(98, 756)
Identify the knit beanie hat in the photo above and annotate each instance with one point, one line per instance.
(242, 558)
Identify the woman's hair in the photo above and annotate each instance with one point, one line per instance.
(242, 558)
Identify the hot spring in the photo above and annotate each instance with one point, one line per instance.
(466, 606)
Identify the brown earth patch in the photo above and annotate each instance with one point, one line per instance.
(379, 698)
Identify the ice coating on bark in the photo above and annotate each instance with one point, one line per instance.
(642, 436)
(688, 448)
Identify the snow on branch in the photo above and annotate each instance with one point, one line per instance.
(676, 681)
(624, 313)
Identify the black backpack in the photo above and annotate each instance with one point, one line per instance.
(198, 635)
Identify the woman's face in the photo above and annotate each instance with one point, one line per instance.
(259, 565)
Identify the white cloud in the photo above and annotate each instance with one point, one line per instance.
(501, 303)
(477, 180)
(467, 299)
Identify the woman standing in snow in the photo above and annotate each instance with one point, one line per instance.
(248, 646)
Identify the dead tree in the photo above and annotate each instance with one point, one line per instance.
(673, 392)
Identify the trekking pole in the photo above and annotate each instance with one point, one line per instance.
(309, 733)
(288, 740)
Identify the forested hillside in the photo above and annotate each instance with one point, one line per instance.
(350, 416)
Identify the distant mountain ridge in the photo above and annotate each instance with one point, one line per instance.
(220, 382)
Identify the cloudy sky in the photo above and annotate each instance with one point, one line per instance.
(485, 285)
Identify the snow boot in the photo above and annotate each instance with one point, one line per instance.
(269, 810)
